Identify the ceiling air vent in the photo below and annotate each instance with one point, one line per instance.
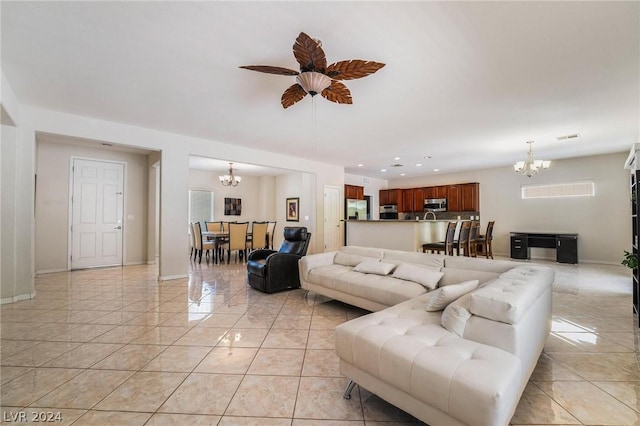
(566, 137)
(396, 165)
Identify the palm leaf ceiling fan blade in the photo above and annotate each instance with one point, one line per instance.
(269, 69)
(350, 70)
(338, 93)
(315, 76)
(309, 54)
(292, 95)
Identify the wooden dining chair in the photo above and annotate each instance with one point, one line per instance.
(462, 244)
(213, 226)
(258, 238)
(237, 240)
(474, 232)
(200, 244)
(271, 231)
(445, 246)
(483, 242)
(192, 239)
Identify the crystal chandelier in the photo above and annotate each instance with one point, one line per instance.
(530, 167)
(230, 179)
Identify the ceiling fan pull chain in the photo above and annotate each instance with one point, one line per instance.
(313, 127)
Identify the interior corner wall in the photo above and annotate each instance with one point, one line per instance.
(17, 210)
(602, 222)
(153, 203)
(266, 198)
(52, 203)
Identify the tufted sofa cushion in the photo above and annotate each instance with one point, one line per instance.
(507, 298)
(406, 347)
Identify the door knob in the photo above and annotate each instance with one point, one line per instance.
(118, 227)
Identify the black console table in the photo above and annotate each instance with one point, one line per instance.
(566, 245)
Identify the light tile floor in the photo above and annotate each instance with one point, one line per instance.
(115, 347)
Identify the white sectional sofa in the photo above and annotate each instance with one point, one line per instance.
(437, 346)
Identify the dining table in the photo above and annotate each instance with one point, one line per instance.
(220, 237)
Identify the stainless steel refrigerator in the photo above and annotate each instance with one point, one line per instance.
(356, 210)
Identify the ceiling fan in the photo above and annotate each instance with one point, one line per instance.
(315, 76)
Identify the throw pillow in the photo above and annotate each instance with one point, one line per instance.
(374, 267)
(455, 316)
(447, 294)
(427, 276)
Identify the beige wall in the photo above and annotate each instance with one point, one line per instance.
(602, 222)
(52, 203)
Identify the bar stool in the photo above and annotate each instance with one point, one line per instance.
(446, 245)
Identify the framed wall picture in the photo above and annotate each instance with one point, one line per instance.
(293, 209)
(232, 206)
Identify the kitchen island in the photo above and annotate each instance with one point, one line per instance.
(407, 235)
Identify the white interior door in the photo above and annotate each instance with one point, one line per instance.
(332, 208)
(97, 212)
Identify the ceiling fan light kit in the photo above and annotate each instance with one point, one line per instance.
(315, 76)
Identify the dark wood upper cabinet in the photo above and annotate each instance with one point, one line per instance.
(407, 201)
(470, 197)
(418, 199)
(353, 192)
(453, 198)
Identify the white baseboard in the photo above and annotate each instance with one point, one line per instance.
(50, 271)
(17, 298)
(142, 262)
(151, 262)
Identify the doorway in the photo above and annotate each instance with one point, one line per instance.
(332, 209)
(97, 208)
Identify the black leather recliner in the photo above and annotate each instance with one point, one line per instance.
(270, 271)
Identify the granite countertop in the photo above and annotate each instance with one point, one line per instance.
(397, 220)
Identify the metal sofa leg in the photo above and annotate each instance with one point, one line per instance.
(348, 389)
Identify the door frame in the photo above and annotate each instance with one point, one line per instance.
(339, 211)
(70, 206)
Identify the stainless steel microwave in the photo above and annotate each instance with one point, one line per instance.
(435, 205)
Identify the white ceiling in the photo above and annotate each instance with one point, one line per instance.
(466, 83)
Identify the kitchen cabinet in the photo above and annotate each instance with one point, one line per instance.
(353, 192)
(418, 199)
(469, 197)
(453, 198)
(391, 197)
(407, 201)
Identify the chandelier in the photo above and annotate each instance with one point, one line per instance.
(230, 179)
(530, 167)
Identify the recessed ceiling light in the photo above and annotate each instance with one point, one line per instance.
(419, 165)
(360, 165)
(402, 174)
(436, 170)
(396, 158)
(383, 170)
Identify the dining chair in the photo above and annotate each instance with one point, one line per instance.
(474, 231)
(483, 242)
(258, 239)
(213, 226)
(200, 244)
(271, 230)
(192, 239)
(237, 240)
(446, 246)
(462, 244)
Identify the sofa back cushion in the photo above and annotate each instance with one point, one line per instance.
(347, 259)
(363, 251)
(488, 265)
(455, 276)
(509, 297)
(427, 259)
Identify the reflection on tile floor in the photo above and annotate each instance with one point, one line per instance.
(116, 347)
